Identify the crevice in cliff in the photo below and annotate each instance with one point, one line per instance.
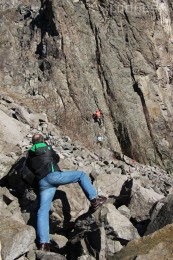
(85, 4)
(45, 22)
(100, 70)
(126, 17)
(124, 140)
(145, 110)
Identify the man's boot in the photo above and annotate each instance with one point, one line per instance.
(98, 202)
(44, 247)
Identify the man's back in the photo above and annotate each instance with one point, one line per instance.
(42, 160)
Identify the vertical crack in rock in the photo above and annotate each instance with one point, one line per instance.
(100, 70)
(49, 44)
(145, 110)
(45, 22)
(123, 136)
(126, 17)
(101, 73)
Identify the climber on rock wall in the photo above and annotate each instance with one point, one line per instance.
(98, 117)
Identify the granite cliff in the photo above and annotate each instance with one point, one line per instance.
(60, 61)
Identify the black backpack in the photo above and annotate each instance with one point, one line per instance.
(27, 175)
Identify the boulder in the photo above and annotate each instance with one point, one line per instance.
(161, 214)
(141, 202)
(12, 132)
(118, 226)
(68, 204)
(6, 164)
(155, 246)
(9, 205)
(109, 184)
(16, 238)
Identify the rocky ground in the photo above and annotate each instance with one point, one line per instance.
(139, 199)
(69, 58)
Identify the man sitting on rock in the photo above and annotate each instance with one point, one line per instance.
(42, 161)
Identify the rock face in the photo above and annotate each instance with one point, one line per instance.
(69, 58)
(60, 61)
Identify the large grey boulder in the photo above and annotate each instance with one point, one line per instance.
(9, 205)
(119, 226)
(161, 214)
(141, 202)
(69, 203)
(109, 184)
(12, 132)
(6, 164)
(16, 238)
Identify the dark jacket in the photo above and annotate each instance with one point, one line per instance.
(42, 160)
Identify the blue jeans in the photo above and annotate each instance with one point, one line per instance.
(47, 189)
